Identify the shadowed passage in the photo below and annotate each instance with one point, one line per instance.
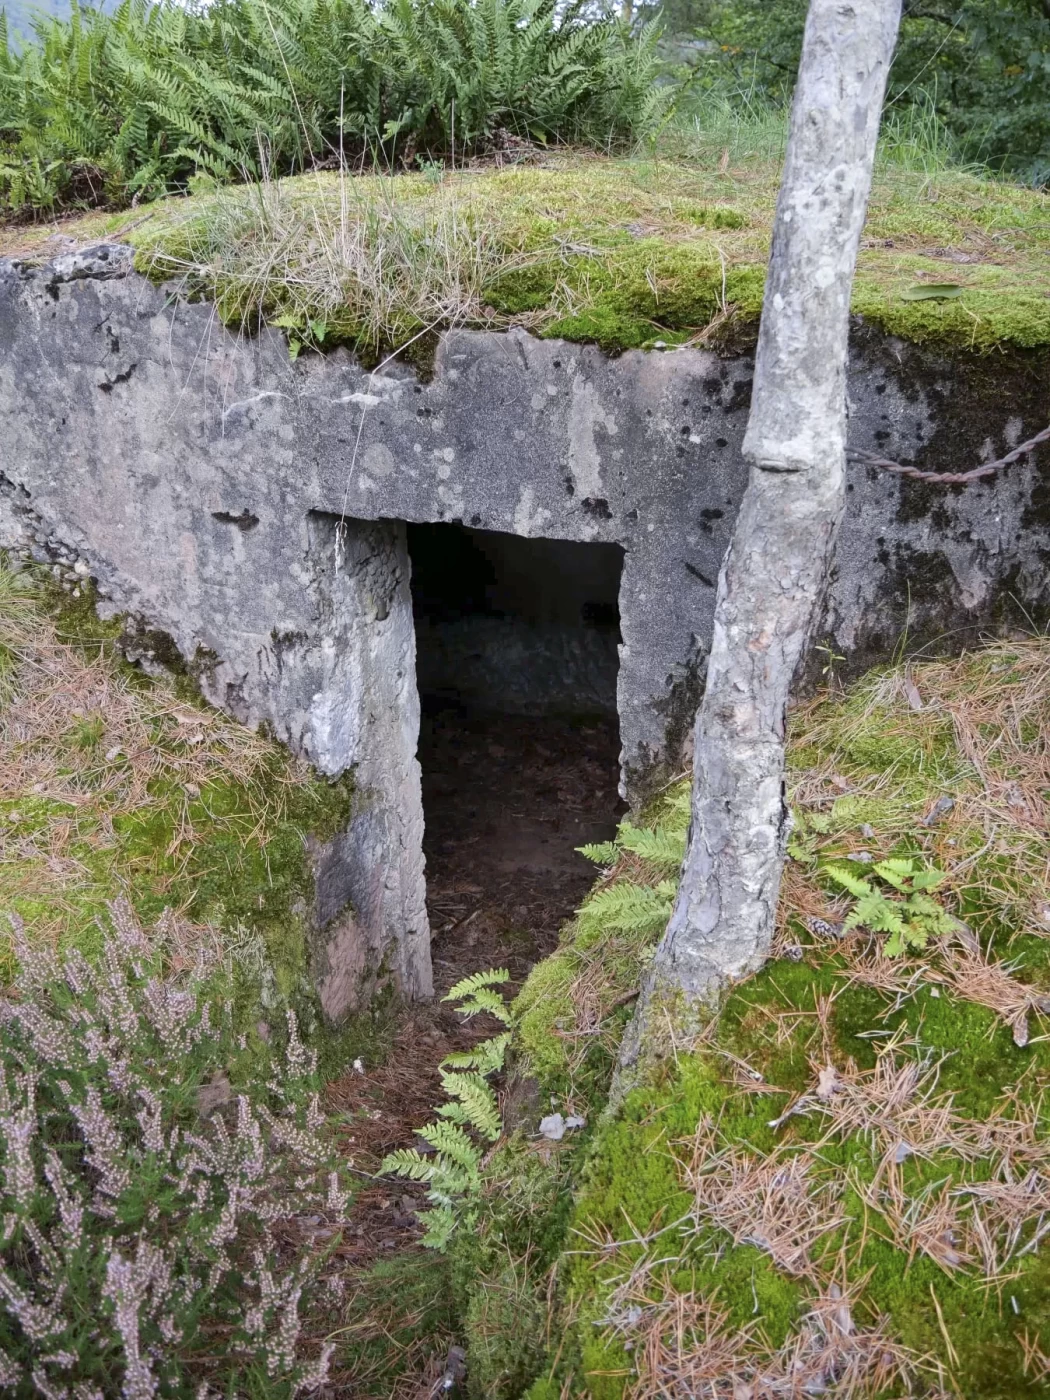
(516, 662)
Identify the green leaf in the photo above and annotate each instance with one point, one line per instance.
(491, 977)
(601, 852)
(853, 883)
(932, 291)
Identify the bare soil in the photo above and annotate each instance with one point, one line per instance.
(506, 801)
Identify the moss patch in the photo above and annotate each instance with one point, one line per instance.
(114, 785)
(622, 253)
(909, 1093)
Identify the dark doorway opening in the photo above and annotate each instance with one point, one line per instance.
(516, 643)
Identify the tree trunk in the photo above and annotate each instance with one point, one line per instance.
(772, 579)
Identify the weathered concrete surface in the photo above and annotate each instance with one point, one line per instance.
(223, 493)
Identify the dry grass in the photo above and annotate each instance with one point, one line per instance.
(686, 1349)
(975, 729)
(778, 1203)
(988, 1226)
(385, 259)
(84, 749)
(894, 1106)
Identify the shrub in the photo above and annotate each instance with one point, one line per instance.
(105, 108)
(142, 1195)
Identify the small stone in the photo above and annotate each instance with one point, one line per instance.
(113, 753)
(552, 1127)
(940, 809)
(214, 1095)
(358, 1067)
(867, 831)
(455, 1368)
(82, 567)
(192, 790)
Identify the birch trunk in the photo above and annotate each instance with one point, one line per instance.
(772, 579)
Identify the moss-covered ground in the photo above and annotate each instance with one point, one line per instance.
(842, 1186)
(114, 785)
(619, 252)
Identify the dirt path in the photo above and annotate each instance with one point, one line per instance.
(506, 801)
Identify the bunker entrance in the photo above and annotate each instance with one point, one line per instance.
(516, 646)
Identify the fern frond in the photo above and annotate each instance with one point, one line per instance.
(409, 1163)
(486, 1058)
(452, 1141)
(662, 847)
(477, 981)
(601, 852)
(856, 886)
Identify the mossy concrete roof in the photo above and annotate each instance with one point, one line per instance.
(623, 253)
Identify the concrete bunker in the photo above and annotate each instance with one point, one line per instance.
(254, 510)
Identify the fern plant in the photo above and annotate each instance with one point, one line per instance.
(896, 901)
(108, 108)
(628, 905)
(468, 1120)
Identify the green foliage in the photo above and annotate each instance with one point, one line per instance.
(223, 843)
(662, 847)
(106, 108)
(974, 72)
(453, 1171)
(606, 945)
(475, 995)
(911, 918)
(625, 906)
(148, 1167)
(631, 1240)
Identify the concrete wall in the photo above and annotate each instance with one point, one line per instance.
(223, 493)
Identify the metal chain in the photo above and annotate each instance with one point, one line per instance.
(950, 478)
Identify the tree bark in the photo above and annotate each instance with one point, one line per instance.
(772, 579)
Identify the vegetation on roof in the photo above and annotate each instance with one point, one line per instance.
(843, 1185)
(624, 253)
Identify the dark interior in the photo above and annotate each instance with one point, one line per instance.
(516, 645)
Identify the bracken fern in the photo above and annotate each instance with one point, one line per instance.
(453, 1171)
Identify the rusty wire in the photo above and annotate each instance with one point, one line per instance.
(872, 459)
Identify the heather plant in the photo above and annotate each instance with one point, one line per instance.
(148, 1198)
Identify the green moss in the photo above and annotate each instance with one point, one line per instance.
(631, 1189)
(877, 761)
(399, 1313)
(227, 850)
(542, 1007)
(616, 252)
